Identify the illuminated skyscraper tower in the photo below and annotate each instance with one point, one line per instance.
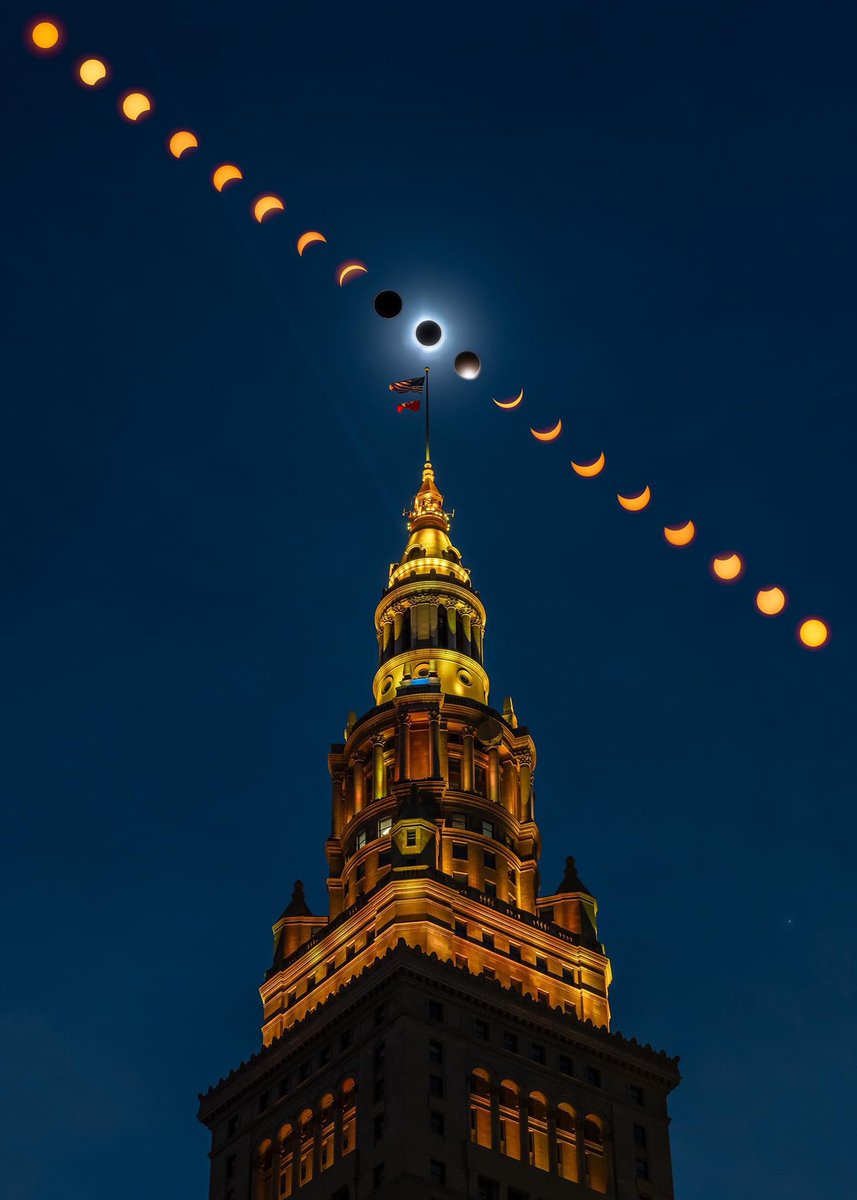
(444, 1031)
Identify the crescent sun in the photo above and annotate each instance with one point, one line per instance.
(727, 567)
(307, 239)
(636, 503)
(265, 205)
(510, 403)
(588, 470)
(181, 141)
(349, 269)
(548, 435)
(224, 174)
(680, 535)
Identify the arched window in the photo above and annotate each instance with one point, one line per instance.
(325, 1109)
(306, 1145)
(537, 1131)
(263, 1172)
(480, 1108)
(566, 1144)
(510, 1119)
(596, 1160)
(286, 1141)
(347, 1098)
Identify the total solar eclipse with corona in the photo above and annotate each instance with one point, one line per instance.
(427, 333)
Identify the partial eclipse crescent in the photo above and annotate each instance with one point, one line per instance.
(588, 470)
(348, 269)
(770, 601)
(548, 435)
(636, 503)
(224, 174)
(135, 105)
(181, 141)
(307, 239)
(510, 403)
(680, 535)
(728, 568)
(265, 205)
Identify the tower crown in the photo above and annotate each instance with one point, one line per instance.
(430, 621)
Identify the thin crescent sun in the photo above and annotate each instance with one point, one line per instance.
(588, 470)
(307, 239)
(548, 435)
(224, 174)
(349, 269)
(510, 403)
(680, 535)
(636, 503)
(265, 205)
(181, 141)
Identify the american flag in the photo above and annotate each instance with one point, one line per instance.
(409, 385)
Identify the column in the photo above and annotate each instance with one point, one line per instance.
(379, 774)
(494, 774)
(552, 1162)
(434, 742)
(510, 787)
(525, 772)
(467, 758)
(316, 1145)
(337, 801)
(358, 762)
(495, 1117)
(452, 618)
(580, 1147)
(404, 747)
(524, 1127)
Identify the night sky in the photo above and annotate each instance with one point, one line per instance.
(643, 214)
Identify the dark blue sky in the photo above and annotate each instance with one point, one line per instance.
(643, 214)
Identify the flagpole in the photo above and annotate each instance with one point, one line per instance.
(428, 447)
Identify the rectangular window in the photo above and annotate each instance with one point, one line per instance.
(361, 871)
(303, 1071)
(378, 1127)
(435, 1010)
(283, 1088)
(331, 966)
(567, 975)
(435, 1052)
(480, 1028)
(437, 1123)
(566, 1065)
(593, 1076)
(435, 1085)
(514, 952)
(510, 1042)
(324, 1056)
(460, 878)
(490, 888)
(487, 829)
(642, 1168)
(569, 1008)
(291, 998)
(349, 952)
(488, 940)
(489, 859)
(438, 1171)
(380, 1013)
(488, 973)
(541, 963)
(479, 781)
(310, 983)
(379, 1055)
(345, 1040)
(639, 1135)
(461, 929)
(459, 851)
(378, 1175)
(513, 877)
(537, 1053)
(546, 914)
(384, 826)
(230, 1166)
(264, 1101)
(517, 986)
(410, 837)
(543, 997)
(384, 859)
(378, 1090)
(232, 1127)
(487, 1189)
(458, 821)
(635, 1094)
(360, 840)
(461, 962)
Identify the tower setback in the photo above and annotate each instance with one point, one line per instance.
(444, 1031)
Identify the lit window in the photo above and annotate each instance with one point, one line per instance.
(410, 837)
(384, 826)
(360, 840)
(487, 829)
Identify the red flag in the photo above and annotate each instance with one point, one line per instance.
(411, 405)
